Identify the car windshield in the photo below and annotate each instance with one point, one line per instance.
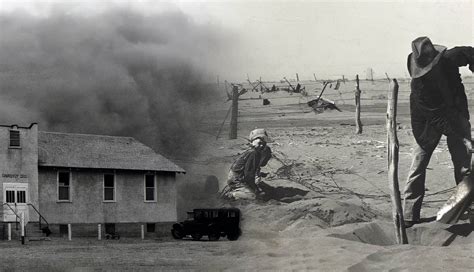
(190, 215)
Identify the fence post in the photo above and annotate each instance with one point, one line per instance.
(143, 231)
(69, 232)
(99, 232)
(392, 147)
(9, 231)
(357, 112)
(234, 113)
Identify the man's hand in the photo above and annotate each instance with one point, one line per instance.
(468, 145)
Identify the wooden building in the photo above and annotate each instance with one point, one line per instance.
(56, 179)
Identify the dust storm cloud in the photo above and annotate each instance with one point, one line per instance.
(117, 73)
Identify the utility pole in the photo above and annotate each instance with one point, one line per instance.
(234, 113)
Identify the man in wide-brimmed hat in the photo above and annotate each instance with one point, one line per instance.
(438, 106)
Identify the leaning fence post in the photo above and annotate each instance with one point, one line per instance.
(69, 232)
(234, 113)
(357, 112)
(392, 147)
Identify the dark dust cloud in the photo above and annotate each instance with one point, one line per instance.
(116, 73)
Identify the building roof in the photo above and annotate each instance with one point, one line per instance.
(100, 152)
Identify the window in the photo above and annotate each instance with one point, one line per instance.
(109, 187)
(14, 138)
(150, 188)
(20, 197)
(10, 196)
(150, 227)
(64, 186)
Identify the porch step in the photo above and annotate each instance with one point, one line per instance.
(33, 230)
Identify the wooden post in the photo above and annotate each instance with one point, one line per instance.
(143, 231)
(357, 112)
(343, 79)
(22, 226)
(99, 232)
(392, 147)
(388, 78)
(235, 113)
(297, 78)
(9, 231)
(314, 77)
(69, 232)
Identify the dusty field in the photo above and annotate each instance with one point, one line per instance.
(347, 179)
(342, 224)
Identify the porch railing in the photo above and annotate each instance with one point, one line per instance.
(41, 217)
(17, 217)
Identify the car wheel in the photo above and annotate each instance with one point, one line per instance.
(177, 234)
(214, 236)
(196, 236)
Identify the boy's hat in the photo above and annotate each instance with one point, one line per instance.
(259, 133)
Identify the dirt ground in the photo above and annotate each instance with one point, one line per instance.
(343, 223)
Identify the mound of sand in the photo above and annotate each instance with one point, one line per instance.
(301, 216)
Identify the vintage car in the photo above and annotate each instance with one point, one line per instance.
(214, 223)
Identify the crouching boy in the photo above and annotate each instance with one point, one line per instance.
(245, 171)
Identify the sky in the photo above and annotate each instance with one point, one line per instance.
(276, 39)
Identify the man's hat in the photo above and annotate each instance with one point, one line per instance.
(424, 57)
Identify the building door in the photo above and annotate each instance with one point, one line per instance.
(16, 196)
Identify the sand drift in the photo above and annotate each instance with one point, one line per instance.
(428, 234)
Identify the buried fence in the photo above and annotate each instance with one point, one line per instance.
(340, 92)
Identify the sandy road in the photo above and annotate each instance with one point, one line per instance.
(87, 254)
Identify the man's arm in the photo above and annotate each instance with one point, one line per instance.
(250, 170)
(461, 56)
